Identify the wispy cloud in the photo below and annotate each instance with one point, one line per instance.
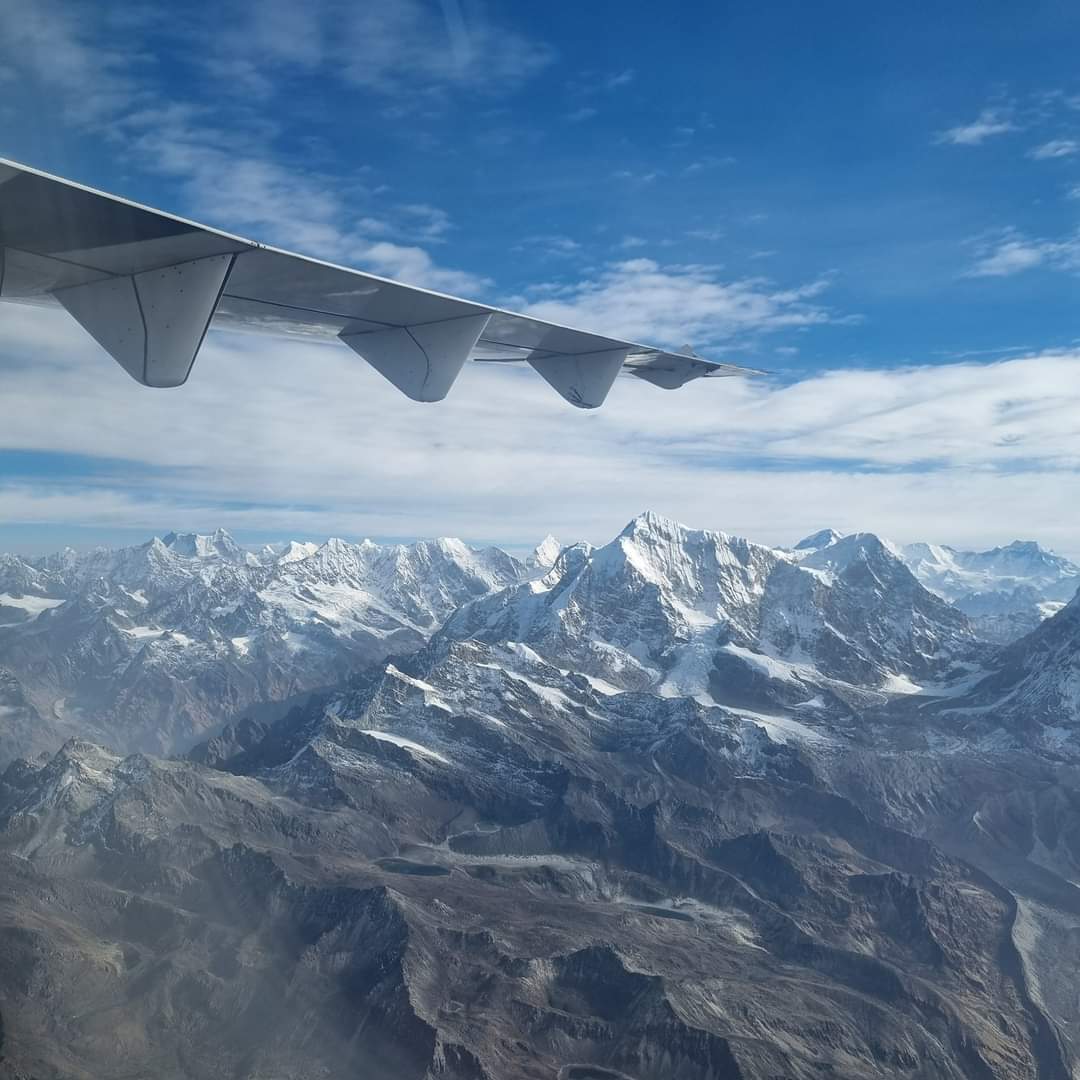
(293, 207)
(403, 48)
(642, 300)
(644, 176)
(711, 235)
(620, 79)
(225, 171)
(1011, 252)
(1055, 148)
(550, 244)
(988, 123)
(47, 43)
(431, 223)
(589, 83)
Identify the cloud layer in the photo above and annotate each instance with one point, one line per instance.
(280, 437)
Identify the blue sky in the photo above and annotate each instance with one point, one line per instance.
(878, 205)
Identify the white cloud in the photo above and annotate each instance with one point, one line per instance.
(550, 244)
(620, 79)
(641, 300)
(1055, 148)
(292, 207)
(431, 222)
(225, 173)
(401, 48)
(989, 122)
(1009, 257)
(415, 266)
(307, 439)
(711, 235)
(1010, 252)
(46, 43)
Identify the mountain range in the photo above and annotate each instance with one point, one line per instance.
(153, 647)
(681, 805)
(149, 647)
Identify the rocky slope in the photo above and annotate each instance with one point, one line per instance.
(482, 867)
(1030, 695)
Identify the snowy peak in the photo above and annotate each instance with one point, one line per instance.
(216, 545)
(294, 551)
(820, 539)
(924, 557)
(545, 554)
(17, 576)
(698, 574)
(334, 561)
(1007, 590)
(856, 610)
(617, 612)
(684, 612)
(158, 640)
(842, 552)
(1033, 688)
(956, 573)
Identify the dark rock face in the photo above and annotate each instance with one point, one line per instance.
(482, 867)
(1036, 680)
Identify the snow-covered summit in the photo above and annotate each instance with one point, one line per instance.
(216, 545)
(682, 611)
(955, 573)
(155, 637)
(545, 554)
(293, 551)
(820, 539)
(1007, 590)
(160, 639)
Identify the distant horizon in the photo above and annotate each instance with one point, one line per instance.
(254, 541)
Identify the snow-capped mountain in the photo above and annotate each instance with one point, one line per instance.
(854, 610)
(629, 611)
(148, 646)
(544, 555)
(681, 805)
(684, 612)
(153, 646)
(1006, 591)
(822, 538)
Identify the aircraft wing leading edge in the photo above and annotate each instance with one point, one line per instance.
(147, 285)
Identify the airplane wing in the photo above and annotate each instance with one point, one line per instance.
(148, 285)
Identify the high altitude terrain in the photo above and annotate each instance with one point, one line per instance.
(679, 806)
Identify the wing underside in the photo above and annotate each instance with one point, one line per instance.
(147, 286)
